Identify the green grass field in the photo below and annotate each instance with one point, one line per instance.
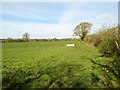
(49, 64)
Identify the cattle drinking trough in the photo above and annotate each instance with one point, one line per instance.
(70, 45)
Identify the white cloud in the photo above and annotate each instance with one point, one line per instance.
(99, 17)
(71, 13)
(26, 12)
(67, 19)
(104, 18)
(67, 16)
(37, 30)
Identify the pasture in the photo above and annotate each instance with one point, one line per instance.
(49, 65)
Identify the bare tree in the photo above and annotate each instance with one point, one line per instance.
(26, 37)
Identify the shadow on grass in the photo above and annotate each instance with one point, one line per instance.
(24, 79)
(109, 72)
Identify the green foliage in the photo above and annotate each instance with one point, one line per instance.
(106, 40)
(110, 42)
(108, 74)
(109, 46)
(93, 39)
(82, 29)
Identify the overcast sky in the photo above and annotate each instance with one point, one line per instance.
(54, 19)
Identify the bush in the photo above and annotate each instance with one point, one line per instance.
(93, 39)
(109, 45)
(106, 40)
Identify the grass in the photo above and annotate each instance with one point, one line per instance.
(49, 64)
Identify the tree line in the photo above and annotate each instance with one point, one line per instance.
(37, 40)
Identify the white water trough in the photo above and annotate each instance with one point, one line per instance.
(70, 45)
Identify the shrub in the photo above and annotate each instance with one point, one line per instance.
(9, 39)
(109, 45)
(93, 39)
(106, 40)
